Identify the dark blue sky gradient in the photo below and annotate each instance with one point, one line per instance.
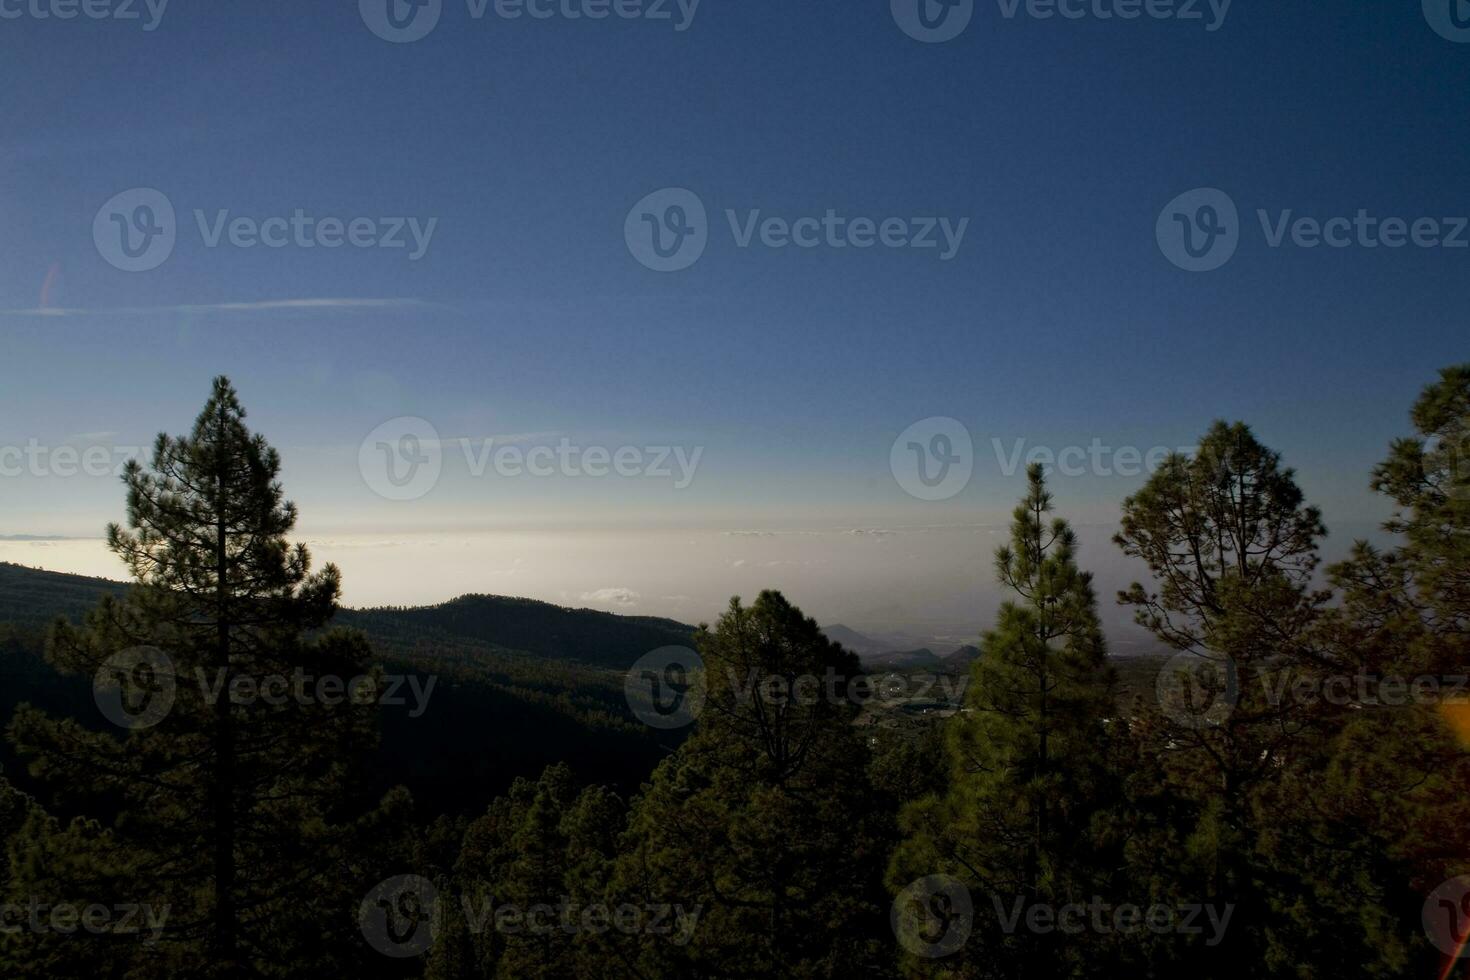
(1059, 320)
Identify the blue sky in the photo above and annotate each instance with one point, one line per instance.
(1058, 320)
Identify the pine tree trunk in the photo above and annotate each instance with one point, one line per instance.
(224, 770)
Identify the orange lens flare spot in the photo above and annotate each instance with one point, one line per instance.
(1457, 715)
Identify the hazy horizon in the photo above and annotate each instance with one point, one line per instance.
(932, 585)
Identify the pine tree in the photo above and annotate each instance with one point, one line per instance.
(536, 879)
(1232, 548)
(1024, 817)
(232, 789)
(1379, 814)
(544, 846)
(761, 825)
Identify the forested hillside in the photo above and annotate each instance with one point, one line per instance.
(525, 625)
(499, 711)
(31, 597)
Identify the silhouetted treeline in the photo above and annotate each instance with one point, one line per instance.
(1288, 801)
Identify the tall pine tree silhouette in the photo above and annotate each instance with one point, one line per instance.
(762, 824)
(231, 784)
(1021, 819)
(1232, 547)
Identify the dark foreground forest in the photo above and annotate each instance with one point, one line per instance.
(219, 774)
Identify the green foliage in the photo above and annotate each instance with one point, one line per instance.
(1387, 819)
(545, 631)
(542, 852)
(1221, 532)
(230, 813)
(770, 839)
(1232, 546)
(1023, 816)
(762, 823)
(33, 599)
(484, 686)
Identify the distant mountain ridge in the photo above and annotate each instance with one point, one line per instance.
(876, 653)
(539, 628)
(859, 643)
(522, 627)
(33, 597)
(963, 655)
(922, 657)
